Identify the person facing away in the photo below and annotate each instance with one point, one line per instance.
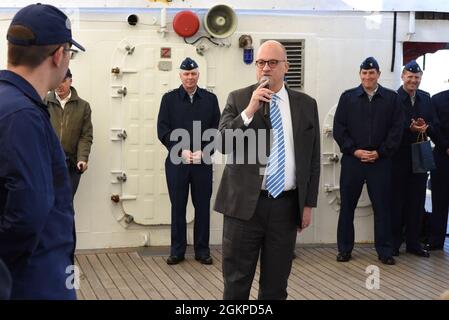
(37, 228)
(368, 125)
(409, 188)
(70, 116)
(184, 108)
(265, 205)
(439, 178)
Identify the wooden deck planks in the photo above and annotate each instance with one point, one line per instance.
(104, 278)
(85, 289)
(98, 289)
(124, 274)
(166, 289)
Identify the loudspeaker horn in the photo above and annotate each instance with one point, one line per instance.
(220, 21)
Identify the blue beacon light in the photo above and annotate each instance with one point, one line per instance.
(248, 55)
(246, 43)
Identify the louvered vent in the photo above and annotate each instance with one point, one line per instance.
(295, 57)
(422, 15)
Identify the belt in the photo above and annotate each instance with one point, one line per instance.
(288, 193)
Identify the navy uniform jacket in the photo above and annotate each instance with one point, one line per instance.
(440, 103)
(37, 236)
(375, 125)
(176, 112)
(421, 109)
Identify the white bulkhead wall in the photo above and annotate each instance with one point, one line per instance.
(335, 44)
(311, 5)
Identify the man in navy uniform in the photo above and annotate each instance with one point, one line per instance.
(367, 127)
(37, 229)
(409, 188)
(179, 109)
(439, 177)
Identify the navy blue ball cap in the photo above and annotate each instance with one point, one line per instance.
(49, 25)
(369, 63)
(188, 64)
(413, 67)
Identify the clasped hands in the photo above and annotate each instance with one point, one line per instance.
(190, 157)
(366, 155)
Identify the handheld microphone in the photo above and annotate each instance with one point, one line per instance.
(265, 105)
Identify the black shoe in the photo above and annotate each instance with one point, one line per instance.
(174, 259)
(387, 260)
(204, 259)
(431, 247)
(419, 252)
(343, 256)
(395, 252)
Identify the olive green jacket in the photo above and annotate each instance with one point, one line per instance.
(72, 125)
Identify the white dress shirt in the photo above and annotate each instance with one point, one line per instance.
(191, 95)
(65, 100)
(290, 167)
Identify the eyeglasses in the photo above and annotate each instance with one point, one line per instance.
(271, 63)
(73, 52)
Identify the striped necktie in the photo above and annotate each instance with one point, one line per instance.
(276, 163)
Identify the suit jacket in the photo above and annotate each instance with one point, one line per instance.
(440, 103)
(241, 182)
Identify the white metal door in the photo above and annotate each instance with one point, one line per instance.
(140, 75)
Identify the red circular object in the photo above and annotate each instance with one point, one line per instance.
(186, 23)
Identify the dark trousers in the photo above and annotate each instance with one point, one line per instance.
(270, 233)
(197, 177)
(408, 198)
(75, 177)
(439, 181)
(377, 176)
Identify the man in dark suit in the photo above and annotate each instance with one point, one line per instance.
(409, 188)
(439, 177)
(180, 109)
(264, 206)
(368, 128)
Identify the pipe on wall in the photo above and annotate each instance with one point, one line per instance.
(393, 55)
